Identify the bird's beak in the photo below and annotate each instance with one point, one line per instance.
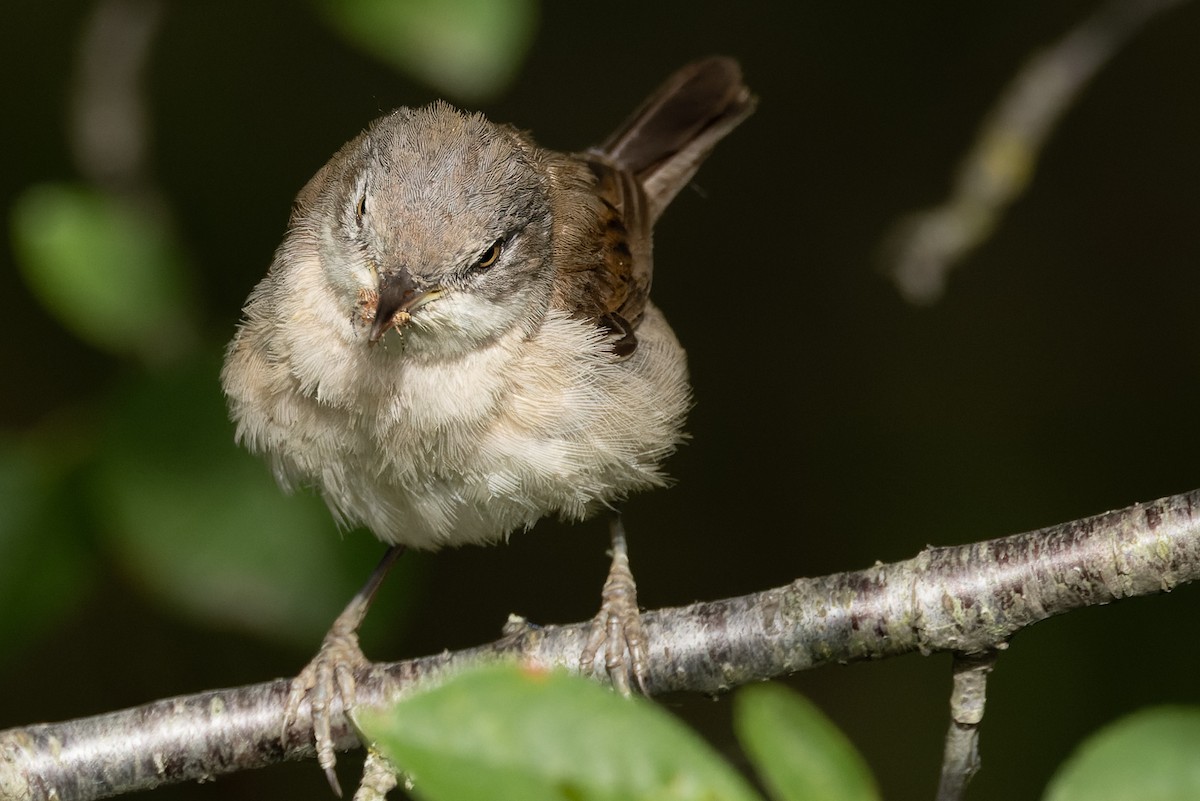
(398, 299)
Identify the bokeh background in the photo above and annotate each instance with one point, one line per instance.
(142, 555)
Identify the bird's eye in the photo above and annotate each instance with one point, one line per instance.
(360, 209)
(490, 256)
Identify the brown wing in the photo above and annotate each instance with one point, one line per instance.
(602, 245)
(626, 259)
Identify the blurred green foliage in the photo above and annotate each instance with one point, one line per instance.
(800, 754)
(508, 732)
(467, 49)
(109, 271)
(1150, 755)
(46, 567)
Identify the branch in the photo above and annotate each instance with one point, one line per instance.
(961, 758)
(923, 248)
(967, 599)
(109, 116)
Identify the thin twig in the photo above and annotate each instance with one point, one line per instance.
(967, 699)
(109, 129)
(925, 246)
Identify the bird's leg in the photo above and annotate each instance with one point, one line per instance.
(618, 626)
(332, 670)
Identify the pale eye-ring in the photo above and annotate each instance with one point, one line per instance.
(490, 256)
(360, 209)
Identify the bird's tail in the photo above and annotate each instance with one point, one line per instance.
(666, 140)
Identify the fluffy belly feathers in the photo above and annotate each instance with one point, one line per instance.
(452, 461)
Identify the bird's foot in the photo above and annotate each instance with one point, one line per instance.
(328, 677)
(618, 626)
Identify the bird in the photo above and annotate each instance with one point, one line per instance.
(455, 339)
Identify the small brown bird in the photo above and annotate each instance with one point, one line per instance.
(455, 339)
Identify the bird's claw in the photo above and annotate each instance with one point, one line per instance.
(328, 678)
(618, 627)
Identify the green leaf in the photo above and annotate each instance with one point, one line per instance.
(45, 566)
(469, 49)
(1151, 755)
(503, 732)
(109, 271)
(798, 752)
(200, 524)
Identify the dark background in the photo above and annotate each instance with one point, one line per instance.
(835, 425)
